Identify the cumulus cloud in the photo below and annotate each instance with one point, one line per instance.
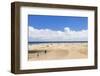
(52, 35)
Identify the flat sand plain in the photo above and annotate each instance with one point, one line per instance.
(54, 51)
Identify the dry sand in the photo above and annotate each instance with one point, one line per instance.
(58, 51)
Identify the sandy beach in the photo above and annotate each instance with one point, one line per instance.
(54, 51)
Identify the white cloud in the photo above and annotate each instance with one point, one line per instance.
(51, 35)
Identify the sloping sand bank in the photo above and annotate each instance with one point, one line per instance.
(54, 51)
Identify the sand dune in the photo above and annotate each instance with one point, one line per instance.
(51, 51)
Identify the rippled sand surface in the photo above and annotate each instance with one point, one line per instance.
(54, 51)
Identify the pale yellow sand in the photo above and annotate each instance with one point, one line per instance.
(58, 51)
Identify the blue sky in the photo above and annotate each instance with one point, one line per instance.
(57, 28)
(58, 22)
